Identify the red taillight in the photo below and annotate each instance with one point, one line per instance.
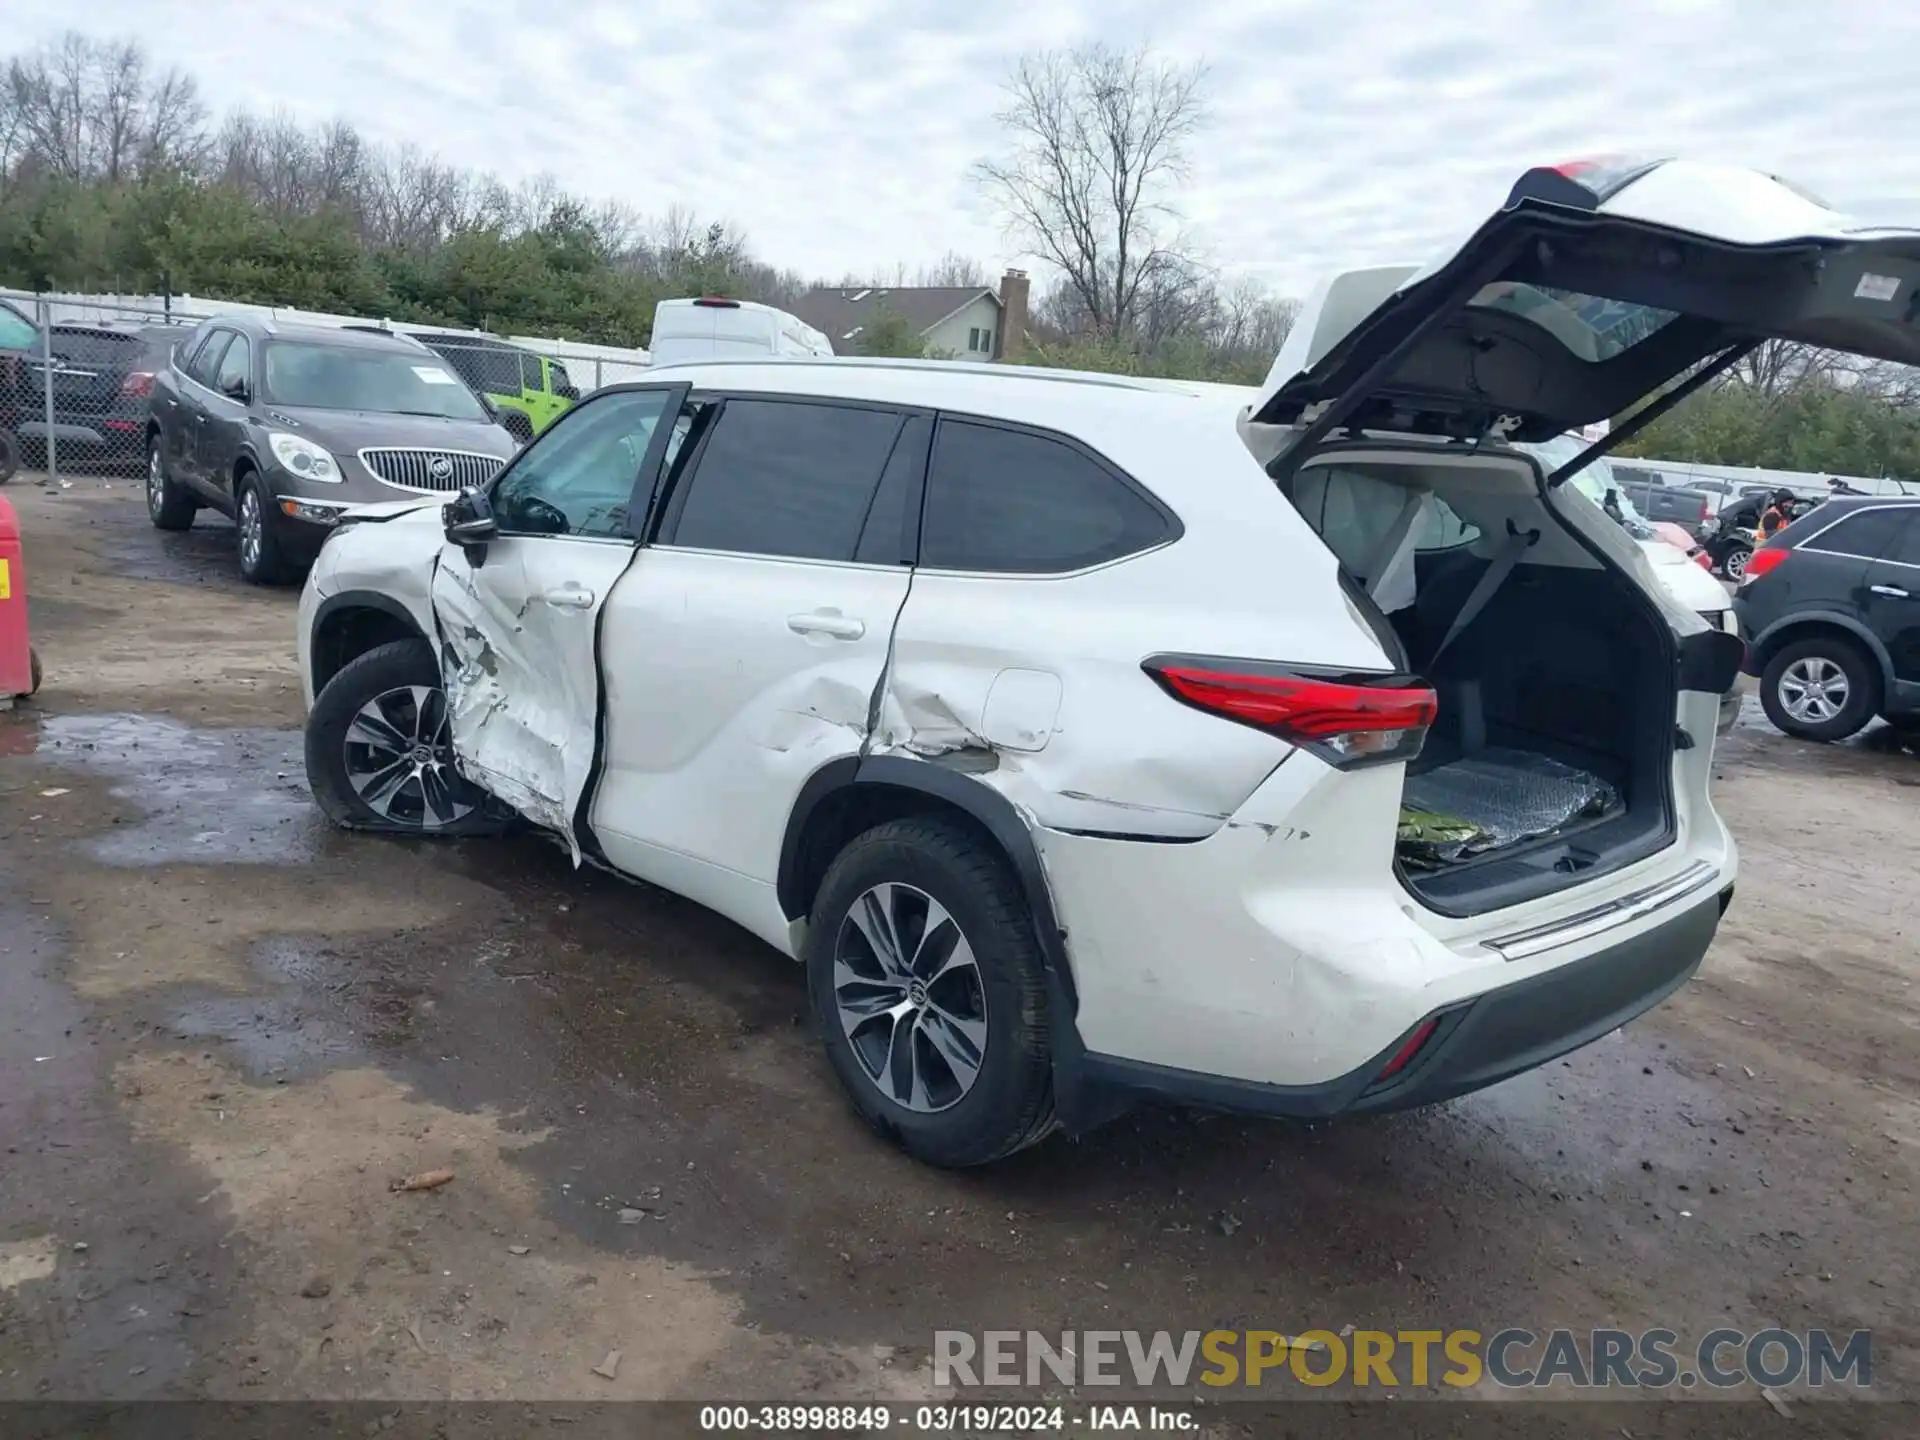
(717, 302)
(1349, 721)
(137, 386)
(1705, 513)
(1404, 1055)
(1765, 560)
(1703, 560)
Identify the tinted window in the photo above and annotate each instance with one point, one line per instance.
(561, 380)
(1906, 545)
(530, 373)
(1016, 502)
(206, 361)
(236, 365)
(490, 369)
(778, 478)
(1867, 534)
(578, 478)
(104, 349)
(892, 520)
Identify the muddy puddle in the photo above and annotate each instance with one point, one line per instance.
(215, 796)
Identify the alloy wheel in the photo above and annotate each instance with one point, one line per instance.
(156, 483)
(910, 998)
(252, 529)
(399, 759)
(1814, 690)
(1735, 565)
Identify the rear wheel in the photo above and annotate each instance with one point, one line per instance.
(380, 754)
(1823, 688)
(168, 506)
(1734, 563)
(927, 983)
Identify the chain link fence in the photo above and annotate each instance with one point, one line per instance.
(77, 402)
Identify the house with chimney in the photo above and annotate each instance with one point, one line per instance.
(955, 322)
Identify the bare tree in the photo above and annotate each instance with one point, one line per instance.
(953, 269)
(87, 109)
(1776, 368)
(1097, 141)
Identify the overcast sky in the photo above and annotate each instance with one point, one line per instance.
(839, 133)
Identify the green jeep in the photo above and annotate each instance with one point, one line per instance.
(530, 391)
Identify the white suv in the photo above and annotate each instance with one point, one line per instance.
(1301, 752)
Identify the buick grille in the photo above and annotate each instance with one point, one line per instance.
(431, 470)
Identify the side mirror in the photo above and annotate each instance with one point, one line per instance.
(469, 522)
(235, 387)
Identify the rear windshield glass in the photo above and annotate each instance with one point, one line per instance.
(1592, 328)
(96, 347)
(341, 377)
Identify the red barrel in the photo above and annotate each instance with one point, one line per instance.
(16, 652)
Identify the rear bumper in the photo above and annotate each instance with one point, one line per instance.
(1479, 1042)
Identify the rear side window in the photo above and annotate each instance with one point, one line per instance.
(1867, 534)
(95, 347)
(782, 478)
(530, 373)
(1017, 502)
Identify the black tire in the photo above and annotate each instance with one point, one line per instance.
(517, 424)
(1010, 1103)
(1733, 564)
(1817, 655)
(397, 665)
(9, 456)
(263, 561)
(168, 506)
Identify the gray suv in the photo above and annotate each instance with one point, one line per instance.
(289, 428)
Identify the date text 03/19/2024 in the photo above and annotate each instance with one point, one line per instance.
(959, 1419)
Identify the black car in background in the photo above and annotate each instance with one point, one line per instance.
(102, 376)
(1830, 611)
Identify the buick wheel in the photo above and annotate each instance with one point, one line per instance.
(167, 506)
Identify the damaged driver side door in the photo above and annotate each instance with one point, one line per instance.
(519, 613)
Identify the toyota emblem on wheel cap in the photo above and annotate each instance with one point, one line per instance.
(440, 468)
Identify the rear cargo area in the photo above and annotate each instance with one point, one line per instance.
(1549, 762)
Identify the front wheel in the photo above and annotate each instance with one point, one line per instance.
(927, 982)
(380, 753)
(262, 559)
(1824, 688)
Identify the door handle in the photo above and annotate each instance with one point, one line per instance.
(569, 597)
(1894, 590)
(827, 622)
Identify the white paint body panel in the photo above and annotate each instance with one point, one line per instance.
(726, 690)
(518, 657)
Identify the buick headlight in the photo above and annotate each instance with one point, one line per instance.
(304, 458)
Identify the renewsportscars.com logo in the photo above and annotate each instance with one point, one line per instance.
(1514, 1358)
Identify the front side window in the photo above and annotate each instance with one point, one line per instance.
(206, 360)
(785, 478)
(579, 477)
(1018, 502)
(313, 375)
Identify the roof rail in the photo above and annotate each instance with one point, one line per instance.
(928, 367)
